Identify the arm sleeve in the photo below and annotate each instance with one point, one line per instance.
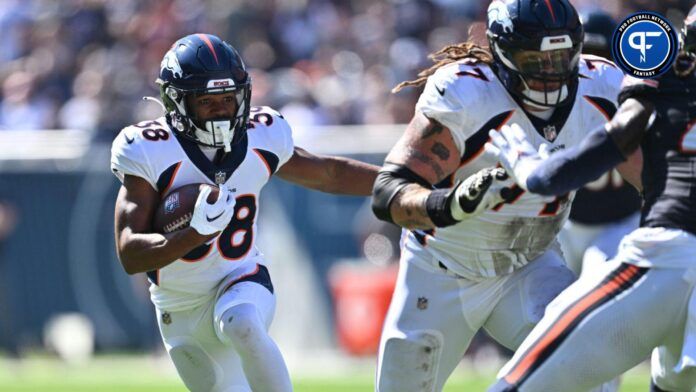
(572, 168)
(129, 158)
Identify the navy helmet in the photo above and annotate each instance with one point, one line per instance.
(536, 41)
(599, 28)
(204, 64)
(686, 60)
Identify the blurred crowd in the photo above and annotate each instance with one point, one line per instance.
(86, 64)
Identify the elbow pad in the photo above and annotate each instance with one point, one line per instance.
(391, 179)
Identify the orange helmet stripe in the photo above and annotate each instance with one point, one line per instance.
(210, 45)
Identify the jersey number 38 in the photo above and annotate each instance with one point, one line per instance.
(235, 241)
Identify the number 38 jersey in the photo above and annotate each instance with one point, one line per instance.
(150, 150)
(470, 100)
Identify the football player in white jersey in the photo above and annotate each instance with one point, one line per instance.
(212, 293)
(642, 300)
(476, 252)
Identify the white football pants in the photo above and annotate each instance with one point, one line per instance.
(603, 325)
(434, 314)
(196, 343)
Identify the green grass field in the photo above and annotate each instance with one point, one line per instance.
(144, 374)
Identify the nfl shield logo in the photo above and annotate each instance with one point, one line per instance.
(550, 132)
(171, 203)
(166, 318)
(422, 303)
(220, 177)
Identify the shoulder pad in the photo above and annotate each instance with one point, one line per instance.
(450, 88)
(462, 97)
(596, 67)
(596, 63)
(264, 109)
(154, 130)
(463, 78)
(268, 130)
(266, 117)
(600, 76)
(130, 150)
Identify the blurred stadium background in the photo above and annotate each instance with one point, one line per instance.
(72, 74)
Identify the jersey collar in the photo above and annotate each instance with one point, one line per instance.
(227, 163)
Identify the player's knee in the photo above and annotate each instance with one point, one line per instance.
(195, 367)
(410, 364)
(242, 326)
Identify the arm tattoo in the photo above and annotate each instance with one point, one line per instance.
(440, 150)
(416, 217)
(430, 162)
(409, 208)
(433, 128)
(415, 211)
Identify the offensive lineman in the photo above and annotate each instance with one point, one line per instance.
(642, 300)
(469, 261)
(212, 293)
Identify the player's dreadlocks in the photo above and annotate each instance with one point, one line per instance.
(449, 54)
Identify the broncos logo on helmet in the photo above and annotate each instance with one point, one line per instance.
(498, 13)
(171, 63)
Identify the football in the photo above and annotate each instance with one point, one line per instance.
(176, 209)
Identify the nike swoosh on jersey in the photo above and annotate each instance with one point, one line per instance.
(128, 140)
(440, 90)
(215, 217)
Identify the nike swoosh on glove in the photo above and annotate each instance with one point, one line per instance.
(209, 218)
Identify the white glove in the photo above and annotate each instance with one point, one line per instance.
(208, 218)
(481, 191)
(514, 151)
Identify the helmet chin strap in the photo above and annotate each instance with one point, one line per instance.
(219, 130)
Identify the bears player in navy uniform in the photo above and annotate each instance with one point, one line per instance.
(642, 301)
(606, 209)
(212, 292)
